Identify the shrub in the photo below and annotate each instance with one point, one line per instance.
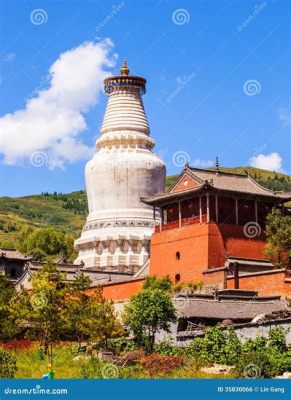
(153, 282)
(218, 345)
(92, 369)
(7, 364)
(189, 287)
(157, 364)
(254, 365)
(21, 344)
(165, 348)
(121, 345)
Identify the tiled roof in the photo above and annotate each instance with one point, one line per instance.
(221, 182)
(227, 309)
(13, 254)
(237, 182)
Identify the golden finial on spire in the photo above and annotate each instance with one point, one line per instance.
(124, 70)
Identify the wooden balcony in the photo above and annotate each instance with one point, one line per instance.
(183, 222)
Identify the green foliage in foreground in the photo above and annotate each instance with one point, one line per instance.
(258, 358)
(148, 312)
(261, 357)
(69, 364)
(7, 364)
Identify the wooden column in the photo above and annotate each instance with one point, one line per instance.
(180, 219)
(236, 211)
(256, 211)
(216, 208)
(161, 219)
(154, 211)
(200, 210)
(207, 205)
(236, 275)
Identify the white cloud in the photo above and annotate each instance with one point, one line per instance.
(53, 120)
(9, 57)
(271, 162)
(202, 163)
(285, 116)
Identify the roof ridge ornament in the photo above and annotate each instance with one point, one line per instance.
(217, 166)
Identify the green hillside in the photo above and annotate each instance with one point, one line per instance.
(68, 211)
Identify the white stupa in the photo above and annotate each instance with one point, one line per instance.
(119, 226)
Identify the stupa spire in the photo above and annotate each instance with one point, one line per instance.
(124, 71)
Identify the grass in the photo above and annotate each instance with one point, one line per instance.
(66, 365)
(30, 365)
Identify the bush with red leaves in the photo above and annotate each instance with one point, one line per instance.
(158, 364)
(20, 344)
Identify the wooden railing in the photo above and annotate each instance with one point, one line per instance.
(184, 222)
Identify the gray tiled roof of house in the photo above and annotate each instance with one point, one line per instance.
(13, 254)
(227, 309)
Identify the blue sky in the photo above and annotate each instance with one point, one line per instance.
(218, 82)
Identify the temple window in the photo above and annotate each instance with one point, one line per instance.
(178, 255)
(177, 278)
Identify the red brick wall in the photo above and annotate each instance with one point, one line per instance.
(266, 284)
(122, 291)
(238, 245)
(201, 247)
(215, 278)
(192, 244)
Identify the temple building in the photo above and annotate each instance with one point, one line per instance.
(116, 236)
(212, 229)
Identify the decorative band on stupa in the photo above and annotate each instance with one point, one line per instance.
(125, 81)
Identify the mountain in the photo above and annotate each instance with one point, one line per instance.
(68, 211)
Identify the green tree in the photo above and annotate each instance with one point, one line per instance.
(89, 316)
(278, 235)
(148, 312)
(76, 306)
(99, 322)
(42, 308)
(8, 329)
(45, 242)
